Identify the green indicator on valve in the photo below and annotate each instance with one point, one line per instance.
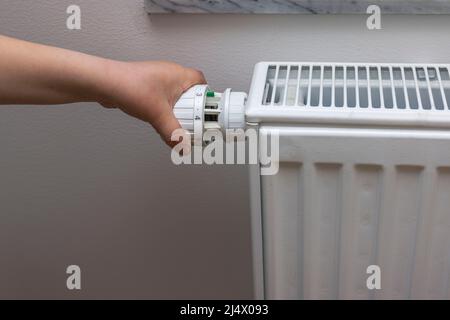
(210, 94)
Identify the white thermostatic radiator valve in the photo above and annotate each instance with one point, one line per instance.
(200, 109)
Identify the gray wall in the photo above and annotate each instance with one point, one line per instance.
(93, 187)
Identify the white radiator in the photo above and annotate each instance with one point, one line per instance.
(363, 180)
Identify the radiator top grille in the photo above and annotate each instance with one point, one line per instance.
(358, 86)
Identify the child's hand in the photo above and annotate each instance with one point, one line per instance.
(36, 74)
(149, 90)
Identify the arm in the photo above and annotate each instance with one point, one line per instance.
(37, 74)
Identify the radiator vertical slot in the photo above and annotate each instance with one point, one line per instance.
(435, 88)
(280, 85)
(430, 93)
(274, 86)
(315, 86)
(381, 87)
(363, 96)
(339, 87)
(351, 88)
(297, 93)
(398, 88)
(423, 88)
(411, 89)
(269, 86)
(333, 86)
(345, 87)
(445, 78)
(441, 86)
(303, 94)
(292, 86)
(369, 91)
(374, 87)
(327, 84)
(405, 88)
(387, 87)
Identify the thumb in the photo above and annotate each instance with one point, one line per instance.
(166, 124)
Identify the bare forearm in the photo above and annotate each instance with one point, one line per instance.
(37, 74)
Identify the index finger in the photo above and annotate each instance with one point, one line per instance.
(193, 77)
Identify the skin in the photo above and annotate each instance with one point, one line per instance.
(37, 74)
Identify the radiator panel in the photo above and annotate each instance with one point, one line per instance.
(347, 198)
